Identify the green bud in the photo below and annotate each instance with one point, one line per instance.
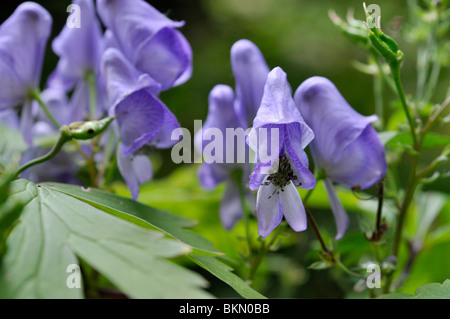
(89, 129)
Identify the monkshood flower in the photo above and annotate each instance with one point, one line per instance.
(23, 37)
(250, 72)
(79, 51)
(225, 166)
(148, 39)
(227, 111)
(142, 119)
(279, 127)
(346, 147)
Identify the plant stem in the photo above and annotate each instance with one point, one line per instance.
(313, 223)
(36, 95)
(90, 79)
(63, 138)
(395, 70)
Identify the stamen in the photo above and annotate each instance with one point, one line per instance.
(282, 177)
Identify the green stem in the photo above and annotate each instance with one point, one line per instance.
(63, 138)
(395, 70)
(35, 94)
(90, 79)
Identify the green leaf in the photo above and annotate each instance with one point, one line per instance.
(223, 272)
(138, 213)
(11, 146)
(55, 229)
(428, 291)
(173, 225)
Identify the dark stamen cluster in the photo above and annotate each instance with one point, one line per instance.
(283, 176)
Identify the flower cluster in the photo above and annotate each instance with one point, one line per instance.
(119, 72)
(345, 148)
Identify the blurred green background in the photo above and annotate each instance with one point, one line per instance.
(299, 37)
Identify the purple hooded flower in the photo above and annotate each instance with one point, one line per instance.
(227, 111)
(346, 147)
(221, 168)
(250, 72)
(79, 51)
(143, 120)
(276, 174)
(23, 37)
(149, 40)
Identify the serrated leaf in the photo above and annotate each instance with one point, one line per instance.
(223, 272)
(11, 146)
(139, 214)
(173, 225)
(55, 229)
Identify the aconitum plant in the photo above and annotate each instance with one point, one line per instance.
(294, 170)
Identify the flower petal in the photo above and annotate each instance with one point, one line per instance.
(211, 175)
(122, 78)
(165, 57)
(335, 123)
(268, 209)
(221, 115)
(250, 72)
(148, 39)
(140, 117)
(362, 162)
(23, 37)
(298, 158)
(293, 209)
(338, 210)
(79, 49)
(277, 105)
(135, 170)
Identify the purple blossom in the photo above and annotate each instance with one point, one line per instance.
(80, 51)
(23, 37)
(230, 111)
(346, 147)
(250, 72)
(287, 164)
(222, 116)
(143, 120)
(148, 39)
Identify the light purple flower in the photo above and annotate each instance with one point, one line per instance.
(148, 39)
(250, 72)
(222, 116)
(142, 119)
(23, 37)
(287, 164)
(80, 50)
(233, 112)
(346, 147)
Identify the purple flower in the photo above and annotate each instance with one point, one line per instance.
(148, 39)
(276, 175)
(143, 120)
(23, 37)
(222, 116)
(227, 111)
(346, 147)
(79, 51)
(250, 72)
